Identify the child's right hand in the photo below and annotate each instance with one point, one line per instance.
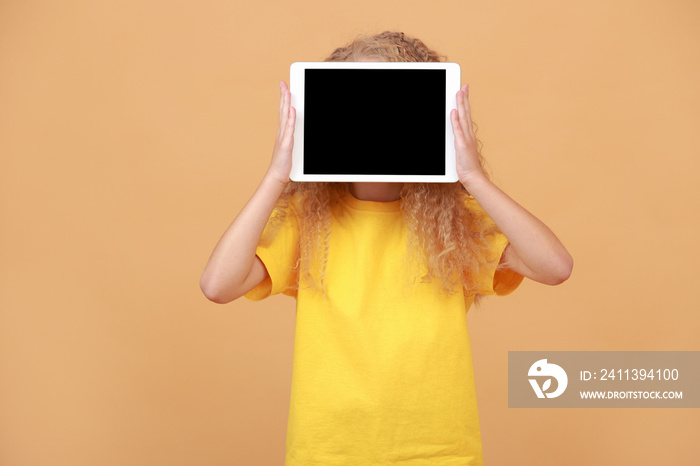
(234, 268)
(281, 163)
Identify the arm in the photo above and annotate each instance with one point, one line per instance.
(233, 268)
(534, 251)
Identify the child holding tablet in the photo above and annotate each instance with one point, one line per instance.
(383, 275)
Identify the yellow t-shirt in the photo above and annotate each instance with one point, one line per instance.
(382, 374)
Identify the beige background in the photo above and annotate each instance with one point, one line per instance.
(131, 133)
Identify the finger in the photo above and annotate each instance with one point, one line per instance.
(288, 134)
(462, 112)
(456, 127)
(284, 108)
(465, 90)
(281, 95)
(454, 118)
(283, 91)
(469, 108)
(291, 120)
(465, 117)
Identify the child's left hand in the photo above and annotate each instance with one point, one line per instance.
(468, 166)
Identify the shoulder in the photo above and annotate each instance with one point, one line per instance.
(478, 216)
(287, 208)
(471, 204)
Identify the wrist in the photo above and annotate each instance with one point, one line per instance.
(472, 181)
(274, 178)
(273, 183)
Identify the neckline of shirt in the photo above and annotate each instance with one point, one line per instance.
(372, 206)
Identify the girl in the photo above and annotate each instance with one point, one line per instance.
(383, 275)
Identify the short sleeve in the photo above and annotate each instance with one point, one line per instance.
(278, 252)
(496, 281)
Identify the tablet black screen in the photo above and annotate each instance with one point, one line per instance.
(374, 122)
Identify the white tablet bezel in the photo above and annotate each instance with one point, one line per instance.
(296, 86)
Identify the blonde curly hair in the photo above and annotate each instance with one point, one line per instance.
(449, 238)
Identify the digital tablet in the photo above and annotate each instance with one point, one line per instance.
(374, 121)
